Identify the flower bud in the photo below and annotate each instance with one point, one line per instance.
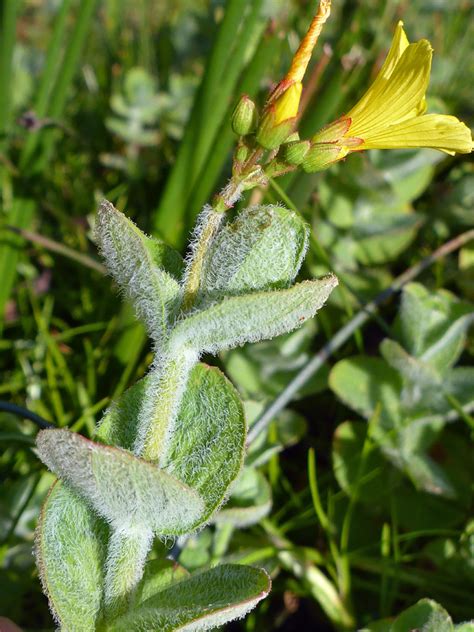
(244, 117)
(242, 153)
(293, 153)
(271, 136)
(279, 115)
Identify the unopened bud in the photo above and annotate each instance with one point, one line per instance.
(293, 153)
(244, 117)
(242, 153)
(321, 155)
(279, 115)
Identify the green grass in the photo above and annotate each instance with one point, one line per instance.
(341, 554)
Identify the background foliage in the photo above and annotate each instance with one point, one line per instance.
(131, 101)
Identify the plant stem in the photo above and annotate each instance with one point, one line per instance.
(313, 366)
(208, 230)
(161, 403)
(125, 562)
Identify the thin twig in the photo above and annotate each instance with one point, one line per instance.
(313, 366)
(20, 411)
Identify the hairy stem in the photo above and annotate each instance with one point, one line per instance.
(161, 403)
(211, 222)
(125, 563)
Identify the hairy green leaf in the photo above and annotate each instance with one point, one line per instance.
(137, 263)
(206, 448)
(71, 545)
(158, 575)
(422, 382)
(432, 325)
(262, 249)
(253, 317)
(127, 491)
(204, 601)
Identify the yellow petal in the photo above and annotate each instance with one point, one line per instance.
(303, 54)
(437, 131)
(399, 44)
(286, 106)
(396, 98)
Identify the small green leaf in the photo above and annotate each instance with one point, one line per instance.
(427, 475)
(71, 546)
(262, 249)
(135, 262)
(363, 383)
(253, 317)
(197, 551)
(425, 616)
(124, 489)
(250, 501)
(415, 371)
(432, 325)
(119, 424)
(423, 384)
(204, 601)
(459, 384)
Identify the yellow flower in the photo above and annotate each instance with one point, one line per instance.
(391, 114)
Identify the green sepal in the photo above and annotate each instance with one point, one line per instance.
(333, 131)
(294, 152)
(321, 156)
(271, 136)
